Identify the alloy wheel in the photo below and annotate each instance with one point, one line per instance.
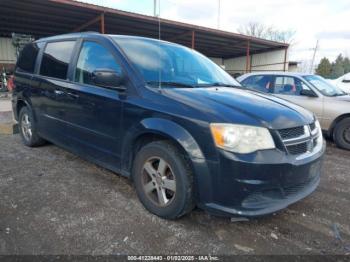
(26, 127)
(158, 181)
(346, 135)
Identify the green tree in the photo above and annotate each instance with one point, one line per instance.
(324, 68)
(346, 63)
(338, 67)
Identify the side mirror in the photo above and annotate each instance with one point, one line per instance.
(308, 92)
(108, 78)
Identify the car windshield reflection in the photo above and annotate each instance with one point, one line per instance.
(323, 86)
(172, 65)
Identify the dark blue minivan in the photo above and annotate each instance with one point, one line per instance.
(170, 119)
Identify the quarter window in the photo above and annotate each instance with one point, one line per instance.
(56, 59)
(93, 56)
(27, 59)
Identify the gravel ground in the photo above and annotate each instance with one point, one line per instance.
(53, 202)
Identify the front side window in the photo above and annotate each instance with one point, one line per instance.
(288, 85)
(159, 61)
(262, 83)
(93, 56)
(324, 86)
(56, 59)
(27, 59)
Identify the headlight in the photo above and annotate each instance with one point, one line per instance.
(318, 126)
(241, 138)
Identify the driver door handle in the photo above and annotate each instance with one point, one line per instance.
(59, 92)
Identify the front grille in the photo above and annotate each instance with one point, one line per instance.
(293, 132)
(297, 149)
(299, 140)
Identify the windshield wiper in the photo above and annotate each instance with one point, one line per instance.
(339, 94)
(169, 83)
(216, 84)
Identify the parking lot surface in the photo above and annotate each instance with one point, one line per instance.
(53, 202)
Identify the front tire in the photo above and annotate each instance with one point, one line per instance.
(27, 128)
(163, 180)
(341, 134)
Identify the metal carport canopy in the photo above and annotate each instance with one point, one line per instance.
(42, 18)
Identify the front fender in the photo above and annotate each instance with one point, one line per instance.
(165, 128)
(175, 132)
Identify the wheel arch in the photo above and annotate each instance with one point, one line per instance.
(335, 122)
(152, 129)
(20, 104)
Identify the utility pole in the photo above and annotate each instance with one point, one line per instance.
(313, 58)
(219, 7)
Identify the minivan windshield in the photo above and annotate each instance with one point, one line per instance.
(324, 86)
(172, 65)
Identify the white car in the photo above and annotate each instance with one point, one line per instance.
(343, 82)
(329, 103)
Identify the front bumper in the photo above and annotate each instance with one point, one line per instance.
(261, 183)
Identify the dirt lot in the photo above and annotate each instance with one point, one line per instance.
(52, 202)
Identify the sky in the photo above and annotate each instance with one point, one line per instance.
(327, 21)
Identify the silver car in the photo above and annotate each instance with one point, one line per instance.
(330, 104)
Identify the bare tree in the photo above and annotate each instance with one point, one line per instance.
(267, 32)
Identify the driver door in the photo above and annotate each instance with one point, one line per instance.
(289, 88)
(94, 115)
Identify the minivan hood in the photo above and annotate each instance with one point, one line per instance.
(234, 105)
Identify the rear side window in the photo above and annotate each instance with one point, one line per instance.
(56, 59)
(259, 82)
(93, 56)
(27, 59)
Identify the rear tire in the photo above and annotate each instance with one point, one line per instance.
(341, 134)
(27, 128)
(163, 180)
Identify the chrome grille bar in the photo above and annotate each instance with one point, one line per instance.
(301, 144)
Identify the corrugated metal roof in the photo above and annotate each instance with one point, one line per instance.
(46, 18)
